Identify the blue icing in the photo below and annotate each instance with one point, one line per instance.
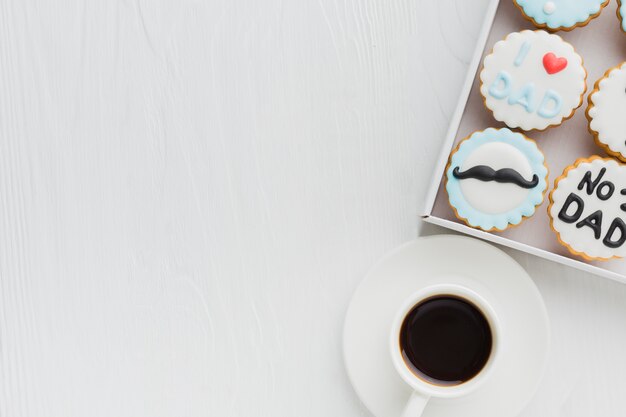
(566, 13)
(622, 13)
(550, 105)
(501, 86)
(521, 55)
(526, 98)
(499, 221)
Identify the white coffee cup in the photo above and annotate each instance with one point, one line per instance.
(423, 390)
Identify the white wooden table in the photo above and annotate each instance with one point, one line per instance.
(190, 191)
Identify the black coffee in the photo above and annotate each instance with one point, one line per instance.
(445, 340)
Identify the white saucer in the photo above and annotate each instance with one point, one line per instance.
(460, 260)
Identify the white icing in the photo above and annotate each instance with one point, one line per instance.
(582, 239)
(493, 197)
(549, 8)
(608, 112)
(514, 73)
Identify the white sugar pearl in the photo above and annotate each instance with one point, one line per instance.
(549, 7)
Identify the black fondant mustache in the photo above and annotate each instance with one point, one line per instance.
(505, 175)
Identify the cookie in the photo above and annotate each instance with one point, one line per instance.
(621, 14)
(588, 208)
(496, 178)
(606, 111)
(564, 15)
(533, 80)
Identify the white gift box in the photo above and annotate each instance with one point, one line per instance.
(602, 45)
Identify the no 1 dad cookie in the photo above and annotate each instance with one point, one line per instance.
(533, 80)
(495, 179)
(588, 208)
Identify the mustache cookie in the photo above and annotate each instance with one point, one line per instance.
(495, 179)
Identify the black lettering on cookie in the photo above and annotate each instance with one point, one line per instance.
(580, 206)
(604, 190)
(594, 221)
(609, 240)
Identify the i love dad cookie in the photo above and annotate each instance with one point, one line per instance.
(495, 179)
(533, 80)
(588, 208)
(556, 15)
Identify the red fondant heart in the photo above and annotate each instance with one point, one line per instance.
(552, 64)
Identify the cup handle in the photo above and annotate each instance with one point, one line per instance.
(415, 406)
